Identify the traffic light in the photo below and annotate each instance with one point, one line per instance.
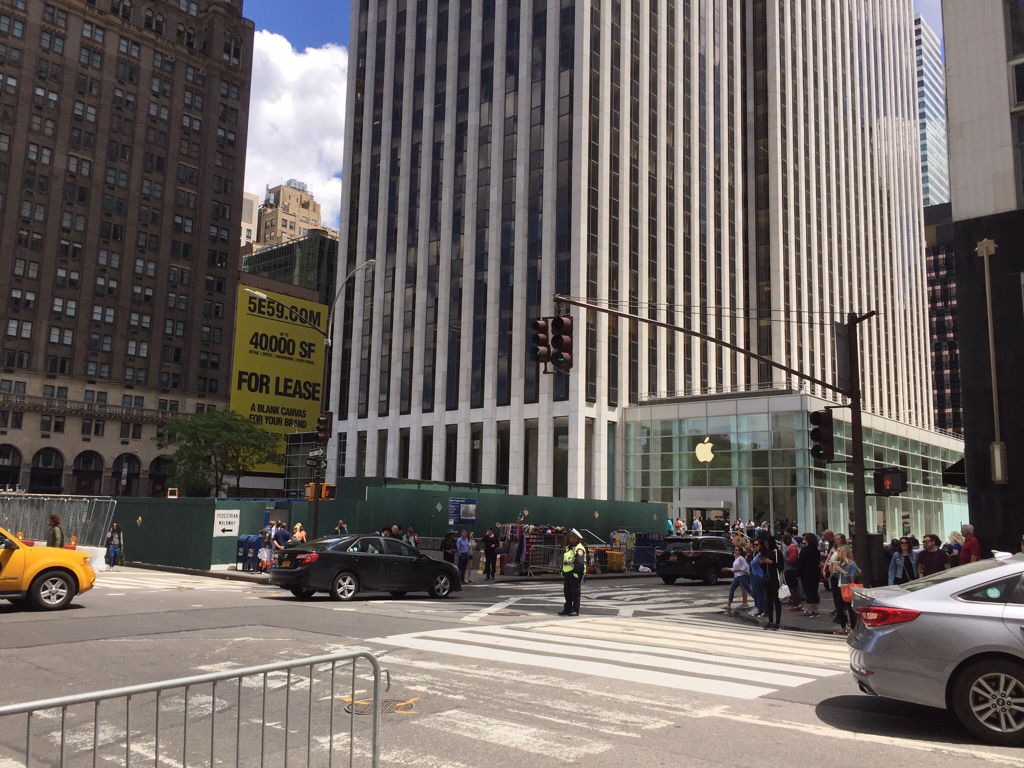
(324, 426)
(561, 342)
(308, 494)
(540, 352)
(891, 481)
(822, 441)
(328, 492)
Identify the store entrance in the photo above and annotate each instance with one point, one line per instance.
(713, 520)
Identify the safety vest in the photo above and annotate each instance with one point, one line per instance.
(569, 557)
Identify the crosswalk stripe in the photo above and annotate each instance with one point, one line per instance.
(671, 652)
(755, 640)
(723, 645)
(720, 669)
(631, 675)
(720, 658)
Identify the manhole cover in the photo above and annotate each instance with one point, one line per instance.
(387, 707)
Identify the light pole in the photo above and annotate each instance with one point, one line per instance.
(324, 394)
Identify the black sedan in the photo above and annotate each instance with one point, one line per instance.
(347, 565)
(692, 557)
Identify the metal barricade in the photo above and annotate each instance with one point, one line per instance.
(543, 559)
(207, 719)
(85, 518)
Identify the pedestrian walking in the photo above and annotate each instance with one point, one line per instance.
(115, 543)
(954, 548)
(298, 534)
(808, 568)
(680, 526)
(846, 572)
(412, 538)
(971, 550)
(462, 548)
(280, 538)
(771, 564)
(490, 553)
(903, 565)
(574, 566)
(472, 554)
(790, 553)
(55, 538)
(266, 553)
(832, 575)
(448, 548)
(740, 577)
(932, 559)
(698, 526)
(757, 582)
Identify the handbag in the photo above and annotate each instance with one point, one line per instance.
(784, 593)
(847, 591)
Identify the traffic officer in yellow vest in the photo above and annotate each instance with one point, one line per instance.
(574, 566)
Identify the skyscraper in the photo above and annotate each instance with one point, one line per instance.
(746, 170)
(931, 113)
(122, 149)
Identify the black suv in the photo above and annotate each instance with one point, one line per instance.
(693, 557)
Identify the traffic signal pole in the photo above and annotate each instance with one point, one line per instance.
(852, 393)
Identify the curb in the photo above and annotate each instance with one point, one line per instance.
(756, 621)
(253, 578)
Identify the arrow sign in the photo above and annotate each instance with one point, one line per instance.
(316, 462)
(316, 452)
(225, 522)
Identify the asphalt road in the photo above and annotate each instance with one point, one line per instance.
(648, 675)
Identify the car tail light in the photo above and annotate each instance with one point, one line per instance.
(305, 559)
(876, 616)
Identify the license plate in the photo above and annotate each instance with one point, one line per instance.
(286, 563)
(673, 557)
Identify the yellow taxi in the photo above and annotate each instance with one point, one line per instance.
(46, 577)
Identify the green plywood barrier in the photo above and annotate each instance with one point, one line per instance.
(179, 532)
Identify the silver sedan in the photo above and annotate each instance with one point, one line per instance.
(953, 640)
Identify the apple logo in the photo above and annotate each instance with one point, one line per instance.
(705, 451)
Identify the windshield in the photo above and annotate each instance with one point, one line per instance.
(679, 546)
(953, 573)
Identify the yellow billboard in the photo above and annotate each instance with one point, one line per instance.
(278, 371)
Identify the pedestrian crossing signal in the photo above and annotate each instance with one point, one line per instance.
(891, 481)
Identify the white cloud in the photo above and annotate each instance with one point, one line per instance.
(296, 120)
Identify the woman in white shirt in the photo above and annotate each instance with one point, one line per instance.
(740, 578)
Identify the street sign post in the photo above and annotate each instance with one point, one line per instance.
(225, 522)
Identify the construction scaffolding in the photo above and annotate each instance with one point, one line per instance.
(84, 518)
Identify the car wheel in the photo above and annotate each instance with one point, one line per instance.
(301, 593)
(711, 577)
(344, 587)
(51, 591)
(988, 697)
(440, 585)
(669, 579)
(398, 593)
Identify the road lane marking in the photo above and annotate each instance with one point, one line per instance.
(490, 609)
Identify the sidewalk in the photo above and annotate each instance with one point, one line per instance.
(229, 573)
(794, 621)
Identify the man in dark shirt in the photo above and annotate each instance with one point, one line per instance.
(931, 559)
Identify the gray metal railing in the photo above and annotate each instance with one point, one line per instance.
(157, 731)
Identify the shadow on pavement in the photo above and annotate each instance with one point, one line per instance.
(888, 717)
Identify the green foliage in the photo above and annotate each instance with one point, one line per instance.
(214, 446)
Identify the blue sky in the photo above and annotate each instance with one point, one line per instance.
(306, 23)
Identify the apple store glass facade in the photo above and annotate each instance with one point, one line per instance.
(765, 457)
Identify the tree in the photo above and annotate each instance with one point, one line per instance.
(217, 445)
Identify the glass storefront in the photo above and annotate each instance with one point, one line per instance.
(765, 457)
